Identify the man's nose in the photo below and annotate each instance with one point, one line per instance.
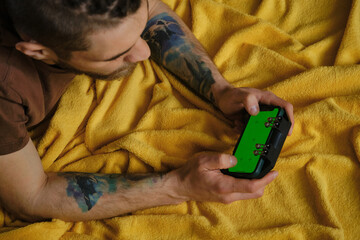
(140, 52)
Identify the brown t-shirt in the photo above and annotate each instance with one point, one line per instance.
(29, 89)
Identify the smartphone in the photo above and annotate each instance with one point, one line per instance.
(260, 143)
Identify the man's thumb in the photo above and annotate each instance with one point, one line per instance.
(220, 161)
(232, 161)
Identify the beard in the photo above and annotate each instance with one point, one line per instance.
(121, 72)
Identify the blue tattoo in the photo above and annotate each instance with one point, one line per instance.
(87, 188)
(171, 48)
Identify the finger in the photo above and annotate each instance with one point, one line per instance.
(218, 161)
(272, 99)
(251, 186)
(290, 112)
(229, 198)
(251, 104)
(249, 99)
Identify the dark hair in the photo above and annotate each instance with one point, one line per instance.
(63, 25)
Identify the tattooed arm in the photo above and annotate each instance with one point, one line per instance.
(31, 194)
(174, 46)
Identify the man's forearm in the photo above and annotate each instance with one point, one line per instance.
(31, 194)
(86, 196)
(174, 46)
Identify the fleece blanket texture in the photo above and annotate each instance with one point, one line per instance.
(307, 52)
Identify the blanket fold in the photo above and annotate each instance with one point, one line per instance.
(306, 52)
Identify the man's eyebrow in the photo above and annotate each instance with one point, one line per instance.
(118, 55)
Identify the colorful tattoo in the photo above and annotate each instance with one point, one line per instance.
(171, 48)
(87, 188)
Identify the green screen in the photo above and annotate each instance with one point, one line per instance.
(255, 133)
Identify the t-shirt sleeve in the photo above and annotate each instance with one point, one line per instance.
(13, 132)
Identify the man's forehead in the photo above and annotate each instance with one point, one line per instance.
(109, 43)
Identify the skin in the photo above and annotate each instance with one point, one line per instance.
(31, 194)
(108, 43)
(104, 45)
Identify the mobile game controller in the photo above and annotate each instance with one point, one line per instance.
(260, 143)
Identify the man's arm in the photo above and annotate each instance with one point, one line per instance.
(174, 46)
(31, 194)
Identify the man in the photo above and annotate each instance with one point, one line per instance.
(43, 43)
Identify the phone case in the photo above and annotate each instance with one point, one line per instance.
(260, 143)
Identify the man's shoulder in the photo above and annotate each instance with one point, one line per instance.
(16, 70)
(6, 88)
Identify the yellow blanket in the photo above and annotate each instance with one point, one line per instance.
(307, 52)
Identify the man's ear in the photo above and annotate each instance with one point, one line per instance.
(37, 51)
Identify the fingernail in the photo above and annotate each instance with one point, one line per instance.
(233, 160)
(275, 174)
(253, 109)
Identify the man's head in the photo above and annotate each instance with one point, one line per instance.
(98, 37)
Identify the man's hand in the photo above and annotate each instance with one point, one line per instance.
(232, 102)
(201, 180)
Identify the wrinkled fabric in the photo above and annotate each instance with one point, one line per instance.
(306, 52)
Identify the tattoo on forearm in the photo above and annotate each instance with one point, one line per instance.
(171, 48)
(87, 188)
